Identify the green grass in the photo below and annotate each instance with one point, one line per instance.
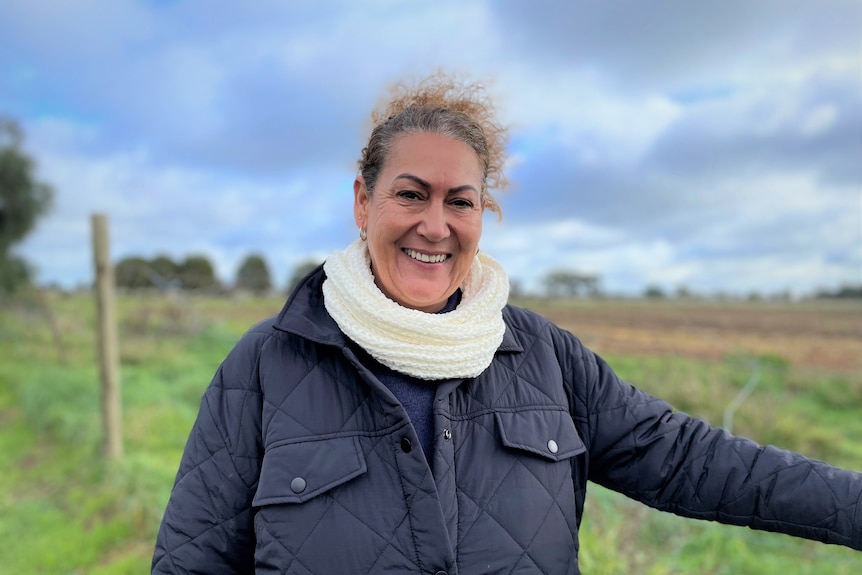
(68, 510)
(63, 509)
(817, 414)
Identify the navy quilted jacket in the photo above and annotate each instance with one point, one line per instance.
(302, 462)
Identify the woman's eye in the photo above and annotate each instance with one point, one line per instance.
(409, 195)
(462, 203)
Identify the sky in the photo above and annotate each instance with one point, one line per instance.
(711, 146)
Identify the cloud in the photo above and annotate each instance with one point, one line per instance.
(661, 45)
(156, 210)
(814, 127)
(258, 90)
(712, 145)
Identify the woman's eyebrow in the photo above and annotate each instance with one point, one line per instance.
(463, 188)
(415, 179)
(427, 186)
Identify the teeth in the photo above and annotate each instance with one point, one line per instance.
(425, 257)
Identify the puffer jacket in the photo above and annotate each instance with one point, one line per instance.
(301, 461)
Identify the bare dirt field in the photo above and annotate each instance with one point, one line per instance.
(816, 334)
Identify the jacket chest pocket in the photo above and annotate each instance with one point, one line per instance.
(541, 468)
(550, 434)
(523, 486)
(316, 509)
(297, 472)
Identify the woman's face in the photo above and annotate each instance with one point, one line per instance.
(423, 219)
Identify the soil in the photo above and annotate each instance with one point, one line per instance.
(820, 335)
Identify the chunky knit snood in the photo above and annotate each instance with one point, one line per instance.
(430, 346)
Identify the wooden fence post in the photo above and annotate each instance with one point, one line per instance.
(107, 340)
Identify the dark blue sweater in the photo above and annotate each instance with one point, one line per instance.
(416, 395)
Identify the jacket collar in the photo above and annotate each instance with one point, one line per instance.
(305, 315)
(509, 343)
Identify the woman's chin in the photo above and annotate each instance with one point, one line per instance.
(426, 299)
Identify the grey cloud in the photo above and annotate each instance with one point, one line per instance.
(782, 234)
(264, 124)
(262, 90)
(671, 44)
(702, 215)
(225, 93)
(725, 139)
(555, 182)
(268, 103)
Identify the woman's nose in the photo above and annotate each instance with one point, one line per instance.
(433, 225)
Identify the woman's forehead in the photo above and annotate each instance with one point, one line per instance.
(426, 154)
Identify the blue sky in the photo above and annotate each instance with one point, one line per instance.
(716, 146)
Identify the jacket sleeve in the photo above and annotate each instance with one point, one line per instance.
(207, 526)
(641, 447)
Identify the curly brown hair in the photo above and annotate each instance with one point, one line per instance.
(440, 104)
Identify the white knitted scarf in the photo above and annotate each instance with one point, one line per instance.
(457, 344)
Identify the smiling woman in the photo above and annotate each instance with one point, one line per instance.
(398, 416)
(424, 220)
(422, 189)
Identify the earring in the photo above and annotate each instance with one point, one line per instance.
(363, 235)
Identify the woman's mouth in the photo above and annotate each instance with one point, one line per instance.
(425, 258)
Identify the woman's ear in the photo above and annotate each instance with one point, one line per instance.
(360, 202)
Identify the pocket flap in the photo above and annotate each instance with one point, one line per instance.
(296, 472)
(548, 433)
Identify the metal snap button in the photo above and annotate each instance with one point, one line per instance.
(297, 485)
(447, 435)
(552, 446)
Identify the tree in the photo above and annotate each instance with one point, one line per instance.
(133, 273)
(654, 292)
(844, 292)
(23, 200)
(193, 273)
(164, 273)
(299, 272)
(14, 273)
(253, 275)
(196, 273)
(566, 283)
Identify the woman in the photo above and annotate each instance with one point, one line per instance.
(399, 417)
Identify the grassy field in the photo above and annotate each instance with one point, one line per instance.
(66, 511)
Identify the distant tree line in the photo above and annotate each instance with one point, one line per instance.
(196, 273)
(844, 292)
(163, 273)
(569, 283)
